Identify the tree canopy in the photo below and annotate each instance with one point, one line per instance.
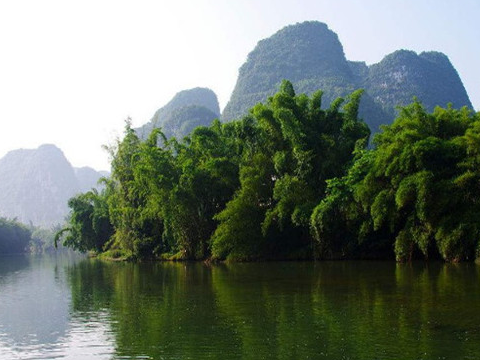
(416, 192)
(292, 180)
(244, 189)
(14, 237)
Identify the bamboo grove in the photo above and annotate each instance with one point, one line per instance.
(291, 181)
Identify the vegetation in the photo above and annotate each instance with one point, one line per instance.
(89, 225)
(283, 173)
(292, 181)
(416, 192)
(244, 189)
(14, 237)
(43, 240)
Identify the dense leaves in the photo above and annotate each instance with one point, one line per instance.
(292, 181)
(244, 189)
(89, 225)
(14, 237)
(415, 194)
(283, 175)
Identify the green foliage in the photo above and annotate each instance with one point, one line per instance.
(239, 234)
(291, 180)
(89, 226)
(283, 176)
(140, 173)
(415, 193)
(242, 190)
(43, 240)
(208, 177)
(336, 222)
(14, 237)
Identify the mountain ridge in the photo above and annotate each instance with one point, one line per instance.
(311, 56)
(185, 111)
(35, 184)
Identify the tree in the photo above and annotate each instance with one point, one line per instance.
(294, 147)
(89, 227)
(14, 237)
(416, 190)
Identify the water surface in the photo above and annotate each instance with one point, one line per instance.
(74, 308)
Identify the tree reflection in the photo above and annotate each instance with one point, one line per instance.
(330, 310)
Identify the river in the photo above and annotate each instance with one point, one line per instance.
(69, 307)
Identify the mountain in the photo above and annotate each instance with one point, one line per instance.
(403, 74)
(35, 185)
(307, 54)
(87, 178)
(187, 110)
(311, 56)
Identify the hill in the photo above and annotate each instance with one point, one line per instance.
(403, 74)
(187, 110)
(35, 185)
(311, 56)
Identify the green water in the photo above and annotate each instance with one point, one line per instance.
(71, 308)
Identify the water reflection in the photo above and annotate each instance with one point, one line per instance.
(156, 310)
(328, 310)
(35, 312)
(12, 264)
(35, 321)
(285, 310)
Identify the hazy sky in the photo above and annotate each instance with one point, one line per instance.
(71, 72)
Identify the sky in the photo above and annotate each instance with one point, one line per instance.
(71, 72)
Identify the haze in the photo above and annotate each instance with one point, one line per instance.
(71, 72)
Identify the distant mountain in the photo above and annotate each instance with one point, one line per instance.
(187, 110)
(35, 185)
(307, 54)
(403, 74)
(87, 178)
(310, 55)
